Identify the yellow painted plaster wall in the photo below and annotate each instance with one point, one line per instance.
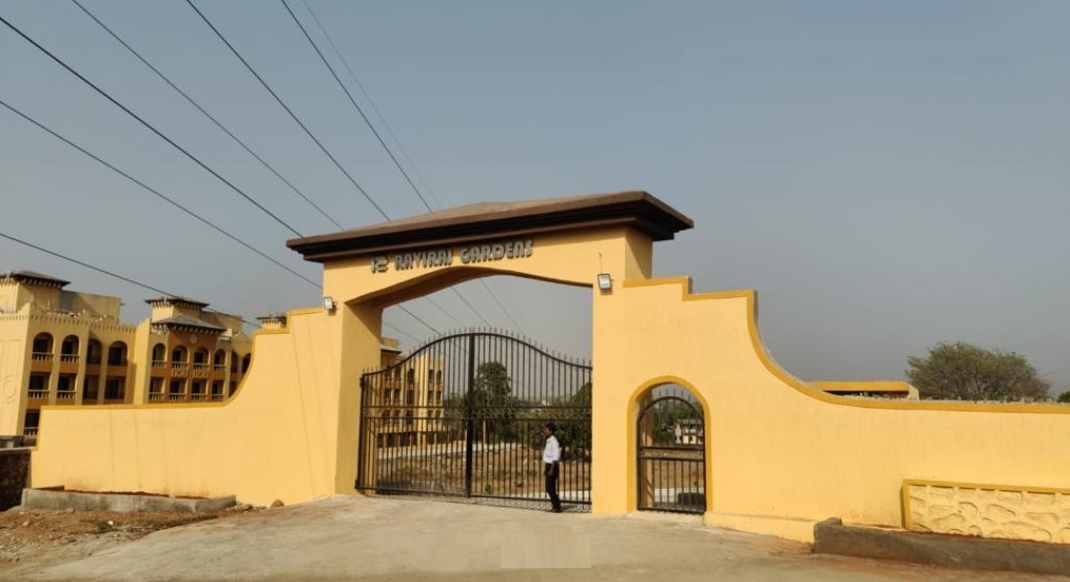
(273, 440)
(782, 455)
(14, 369)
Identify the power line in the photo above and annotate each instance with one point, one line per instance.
(147, 124)
(106, 272)
(177, 205)
(206, 114)
(375, 109)
(380, 138)
(354, 102)
(157, 193)
(284, 106)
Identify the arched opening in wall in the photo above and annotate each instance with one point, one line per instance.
(94, 352)
(117, 354)
(200, 357)
(69, 349)
(670, 449)
(159, 354)
(42, 346)
(179, 357)
(460, 414)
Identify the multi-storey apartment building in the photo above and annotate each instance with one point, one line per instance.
(67, 348)
(411, 398)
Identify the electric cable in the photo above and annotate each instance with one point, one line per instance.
(284, 106)
(206, 114)
(147, 124)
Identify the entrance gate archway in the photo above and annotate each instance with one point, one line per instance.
(460, 417)
(671, 451)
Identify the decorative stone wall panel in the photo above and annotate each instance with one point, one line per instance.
(1015, 513)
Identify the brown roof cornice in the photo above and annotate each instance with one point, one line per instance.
(488, 220)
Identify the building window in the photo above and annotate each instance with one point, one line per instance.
(90, 388)
(156, 386)
(117, 354)
(69, 348)
(114, 388)
(159, 353)
(39, 385)
(179, 354)
(246, 360)
(30, 426)
(233, 362)
(94, 352)
(200, 356)
(42, 344)
(220, 359)
(410, 376)
(65, 389)
(217, 388)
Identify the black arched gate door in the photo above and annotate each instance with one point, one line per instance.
(671, 451)
(461, 416)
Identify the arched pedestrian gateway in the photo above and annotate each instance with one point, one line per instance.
(778, 454)
(670, 450)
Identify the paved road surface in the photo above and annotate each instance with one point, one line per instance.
(389, 539)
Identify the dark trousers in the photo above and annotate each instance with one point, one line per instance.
(551, 486)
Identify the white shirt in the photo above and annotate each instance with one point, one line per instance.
(552, 452)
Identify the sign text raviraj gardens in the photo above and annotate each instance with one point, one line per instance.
(445, 257)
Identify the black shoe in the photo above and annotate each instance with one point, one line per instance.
(556, 510)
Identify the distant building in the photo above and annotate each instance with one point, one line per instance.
(689, 431)
(893, 389)
(68, 348)
(412, 398)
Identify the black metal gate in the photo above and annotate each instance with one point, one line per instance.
(461, 416)
(671, 452)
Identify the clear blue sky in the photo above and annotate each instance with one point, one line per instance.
(887, 175)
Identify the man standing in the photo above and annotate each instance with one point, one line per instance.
(551, 458)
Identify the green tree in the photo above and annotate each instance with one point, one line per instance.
(495, 405)
(960, 371)
(1064, 397)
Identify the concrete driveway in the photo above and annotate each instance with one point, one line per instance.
(387, 539)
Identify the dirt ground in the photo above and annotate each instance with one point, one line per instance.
(34, 538)
(390, 539)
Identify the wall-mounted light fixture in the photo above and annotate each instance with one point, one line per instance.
(605, 282)
(328, 304)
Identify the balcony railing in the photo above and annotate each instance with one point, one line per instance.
(198, 397)
(200, 370)
(218, 397)
(176, 397)
(30, 432)
(65, 395)
(42, 356)
(156, 396)
(68, 358)
(157, 364)
(180, 369)
(38, 394)
(219, 367)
